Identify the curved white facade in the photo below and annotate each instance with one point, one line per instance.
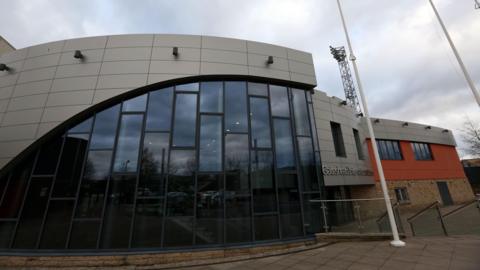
(46, 85)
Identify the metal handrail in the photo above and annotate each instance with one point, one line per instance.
(461, 208)
(440, 217)
(386, 213)
(422, 211)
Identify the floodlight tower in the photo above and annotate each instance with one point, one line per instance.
(340, 55)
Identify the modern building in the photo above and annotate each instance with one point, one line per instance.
(137, 142)
(5, 46)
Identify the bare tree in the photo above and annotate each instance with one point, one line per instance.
(471, 136)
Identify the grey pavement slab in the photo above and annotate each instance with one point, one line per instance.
(462, 252)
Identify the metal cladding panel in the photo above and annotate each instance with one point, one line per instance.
(408, 131)
(344, 170)
(348, 169)
(46, 85)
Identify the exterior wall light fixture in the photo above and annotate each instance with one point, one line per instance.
(343, 103)
(405, 124)
(359, 114)
(428, 127)
(270, 60)
(445, 131)
(78, 55)
(4, 67)
(377, 121)
(175, 51)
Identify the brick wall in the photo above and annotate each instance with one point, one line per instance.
(420, 192)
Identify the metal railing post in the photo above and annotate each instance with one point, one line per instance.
(356, 206)
(442, 222)
(324, 210)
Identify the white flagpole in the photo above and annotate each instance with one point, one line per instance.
(393, 225)
(460, 62)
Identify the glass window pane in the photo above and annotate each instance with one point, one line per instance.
(302, 126)
(266, 227)
(209, 221)
(187, 87)
(15, 190)
(258, 89)
(3, 185)
(421, 151)
(358, 144)
(236, 153)
(128, 146)
(181, 183)
(238, 229)
(279, 101)
(136, 104)
(390, 150)
(92, 190)
(57, 224)
(264, 194)
(285, 156)
(237, 196)
(180, 197)
(337, 137)
(6, 232)
(32, 213)
(211, 97)
(260, 122)
(159, 113)
(313, 127)
(312, 213)
(48, 157)
(236, 107)
(118, 212)
(237, 208)
(185, 120)
(307, 163)
(83, 127)
(104, 128)
(148, 223)
(84, 234)
(178, 231)
(382, 149)
(154, 164)
(289, 202)
(210, 143)
(71, 165)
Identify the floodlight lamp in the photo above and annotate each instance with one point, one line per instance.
(78, 55)
(4, 67)
(270, 60)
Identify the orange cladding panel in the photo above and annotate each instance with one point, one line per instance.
(445, 164)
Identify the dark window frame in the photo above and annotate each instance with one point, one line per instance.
(358, 144)
(337, 138)
(422, 151)
(389, 149)
(401, 194)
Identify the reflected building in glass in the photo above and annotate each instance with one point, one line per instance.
(215, 162)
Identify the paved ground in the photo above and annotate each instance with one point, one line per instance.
(420, 253)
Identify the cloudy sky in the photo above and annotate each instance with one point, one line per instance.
(408, 70)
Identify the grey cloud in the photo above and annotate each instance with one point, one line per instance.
(408, 70)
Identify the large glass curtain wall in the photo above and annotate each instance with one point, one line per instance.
(208, 163)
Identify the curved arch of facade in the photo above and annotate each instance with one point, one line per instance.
(192, 163)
